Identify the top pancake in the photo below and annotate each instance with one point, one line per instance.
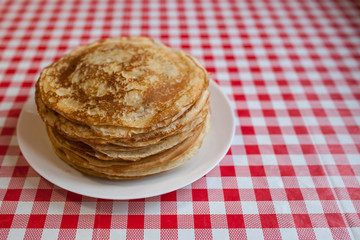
(129, 82)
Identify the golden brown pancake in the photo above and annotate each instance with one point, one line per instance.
(129, 82)
(124, 108)
(129, 170)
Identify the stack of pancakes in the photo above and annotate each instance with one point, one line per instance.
(124, 108)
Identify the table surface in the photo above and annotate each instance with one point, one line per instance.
(291, 70)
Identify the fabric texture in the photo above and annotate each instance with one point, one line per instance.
(291, 71)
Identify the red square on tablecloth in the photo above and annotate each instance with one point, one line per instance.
(268, 113)
(325, 194)
(69, 221)
(12, 195)
(231, 195)
(308, 149)
(294, 113)
(274, 130)
(243, 113)
(316, 170)
(268, 221)
(346, 170)
(335, 220)
(43, 195)
(102, 221)
(327, 130)
(3, 150)
(354, 193)
(200, 195)
(257, 171)
(19, 171)
(6, 220)
(235, 221)
(73, 197)
(252, 149)
(302, 220)
(294, 194)
(262, 194)
(171, 196)
(36, 221)
(202, 221)
(136, 221)
(286, 170)
(247, 130)
(169, 221)
(300, 130)
(227, 171)
(280, 149)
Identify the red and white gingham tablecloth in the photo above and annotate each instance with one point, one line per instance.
(291, 70)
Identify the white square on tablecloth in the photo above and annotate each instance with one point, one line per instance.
(120, 207)
(221, 234)
(24, 207)
(275, 182)
(347, 206)
(150, 234)
(269, 159)
(323, 233)
(152, 208)
(263, 139)
(56, 208)
(50, 234)
(217, 208)
(117, 234)
(303, 104)
(278, 104)
(290, 139)
(84, 234)
(254, 234)
(186, 234)
(318, 139)
(336, 181)
(185, 208)
(4, 182)
(249, 207)
(314, 206)
(258, 121)
(353, 159)
(310, 121)
(345, 139)
(326, 159)
(335, 121)
(88, 208)
(253, 104)
(244, 182)
(297, 159)
(282, 207)
(289, 233)
(305, 182)
(9, 161)
(17, 234)
(31, 183)
(249, 89)
(214, 183)
(285, 121)
(356, 232)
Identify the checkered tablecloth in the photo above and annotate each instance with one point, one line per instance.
(291, 70)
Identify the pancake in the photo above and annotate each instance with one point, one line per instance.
(124, 108)
(112, 133)
(129, 82)
(112, 152)
(131, 170)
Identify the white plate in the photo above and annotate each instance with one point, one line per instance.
(35, 146)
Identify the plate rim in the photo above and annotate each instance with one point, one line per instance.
(173, 187)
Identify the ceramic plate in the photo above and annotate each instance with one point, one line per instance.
(36, 148)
